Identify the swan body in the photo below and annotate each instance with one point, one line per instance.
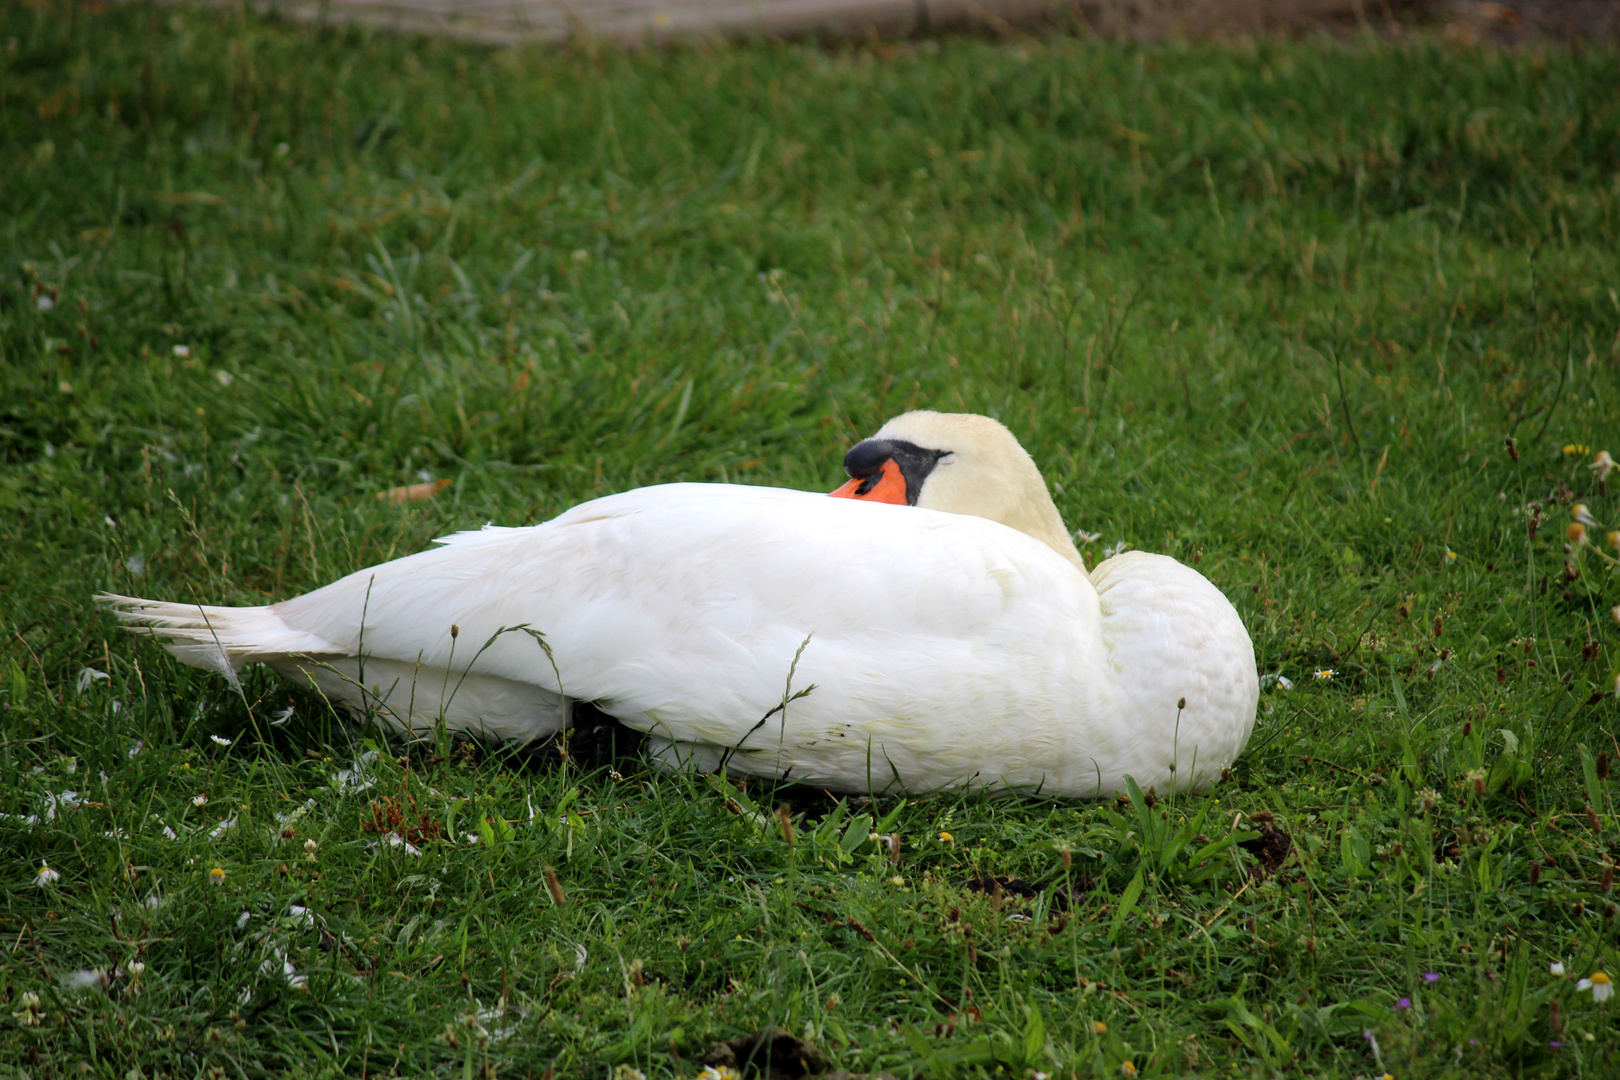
(944, 649)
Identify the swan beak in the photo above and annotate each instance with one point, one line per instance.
(886, 485)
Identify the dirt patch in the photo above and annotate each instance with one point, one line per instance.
(1270, 849)
(772, 1053)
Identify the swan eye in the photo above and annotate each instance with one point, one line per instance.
(946, 459)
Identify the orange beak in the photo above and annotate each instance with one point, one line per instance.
(887, 486)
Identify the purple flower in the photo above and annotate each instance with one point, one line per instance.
(1404, 1003)
(1431, 976)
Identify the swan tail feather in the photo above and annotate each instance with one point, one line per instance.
(218, 639)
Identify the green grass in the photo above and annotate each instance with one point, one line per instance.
(1271, 307)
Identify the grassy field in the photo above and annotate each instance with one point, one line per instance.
(1273, 308)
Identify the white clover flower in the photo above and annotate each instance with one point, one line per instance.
(199, 800)
(182, 351)
(46, 875)
(1601, 985)
(30, 1013)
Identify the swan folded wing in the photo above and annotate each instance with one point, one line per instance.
(944, 649)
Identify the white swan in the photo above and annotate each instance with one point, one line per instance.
(957, 640)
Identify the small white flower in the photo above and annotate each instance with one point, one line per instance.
(223, 377)
(311, 846)
(1451, 556)
(1583, 515)
(281, 717)
(46, 875)
(580, 255)
(216, 876)
(182, 351)
(135, 969)
(45, 303)
(1118, 549)
(220, 740)
(1556, 969)
(1281, 682)
(1601, 985)
(199, 800)
(170, 834)
(1602, 465)
(1087, 538)
(1324, 675)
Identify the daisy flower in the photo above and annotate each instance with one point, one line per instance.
(1601, 985)
(1325, 675)
(46, 875)
(1602, 465)
(216, 876)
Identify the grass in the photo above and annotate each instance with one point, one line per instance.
(1272, 308)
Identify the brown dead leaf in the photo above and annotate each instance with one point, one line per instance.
(412, 492)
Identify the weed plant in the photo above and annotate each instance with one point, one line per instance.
(1337, 322)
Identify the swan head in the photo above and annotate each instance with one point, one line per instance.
(959, 463)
